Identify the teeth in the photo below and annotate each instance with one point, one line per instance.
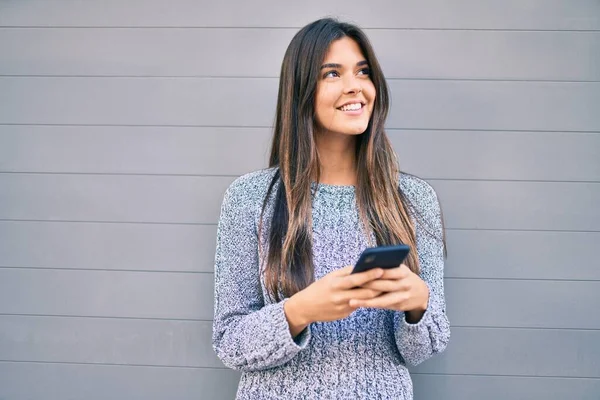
(351, 107)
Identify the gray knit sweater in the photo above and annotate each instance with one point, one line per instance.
(359, 357)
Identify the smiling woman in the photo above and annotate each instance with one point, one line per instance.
(288, 310)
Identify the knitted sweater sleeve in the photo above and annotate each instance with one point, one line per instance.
(248, 335)
(419, 341)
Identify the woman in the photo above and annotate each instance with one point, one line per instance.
(287, 312)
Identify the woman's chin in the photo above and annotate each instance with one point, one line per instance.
(356, 130)
(346, 130)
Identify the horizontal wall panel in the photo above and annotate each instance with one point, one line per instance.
(190, 199)
(514, 352)
(138, 101)
(147, 247)
(522, 255)
(504, 387)
(422, 104)
(134, 149)
(471, 253)
(546, 156)
(101, 382)
(523, 304)
(517, 55)
(120, 198)
(467, 14)
(108, 341)
(192, 52)
(122, 51)
(553, 106)
(530, 304)
(520, 205)
(106, 293)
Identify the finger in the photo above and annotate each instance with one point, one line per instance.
(386, 300)
(362, 294)
(385, 285)
(359, 279)
(347, 270)
(400, 272)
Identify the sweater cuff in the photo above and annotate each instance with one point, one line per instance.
(301, 340)
(425, 318)
(426, 314)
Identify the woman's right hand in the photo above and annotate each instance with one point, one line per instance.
(328, 298)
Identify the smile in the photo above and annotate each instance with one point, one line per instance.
(352, 109)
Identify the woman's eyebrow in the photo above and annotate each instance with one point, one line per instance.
(332, 65)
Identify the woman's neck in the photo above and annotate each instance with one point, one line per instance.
(337, 156)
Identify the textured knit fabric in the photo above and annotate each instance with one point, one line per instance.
(359, 357)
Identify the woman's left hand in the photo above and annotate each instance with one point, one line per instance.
(403, 290)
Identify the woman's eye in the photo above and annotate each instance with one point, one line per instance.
(331, 74)
(365, 71)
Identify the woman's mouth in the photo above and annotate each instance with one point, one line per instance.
(352, 108)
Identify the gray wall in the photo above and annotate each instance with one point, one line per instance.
(122, 123)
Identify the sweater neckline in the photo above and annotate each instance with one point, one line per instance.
(335, 189)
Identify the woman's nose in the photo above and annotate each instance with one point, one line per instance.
(354, 89)
(352, 85)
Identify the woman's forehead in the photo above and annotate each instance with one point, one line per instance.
(344, 51)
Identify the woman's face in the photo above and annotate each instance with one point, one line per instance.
(345, 92)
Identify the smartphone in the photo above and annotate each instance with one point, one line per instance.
(381, 257)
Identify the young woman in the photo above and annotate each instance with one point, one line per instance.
(288, 311)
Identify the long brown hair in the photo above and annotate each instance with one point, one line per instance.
(383, 209)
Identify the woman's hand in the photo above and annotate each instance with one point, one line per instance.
(329, 298)
(402, 289)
